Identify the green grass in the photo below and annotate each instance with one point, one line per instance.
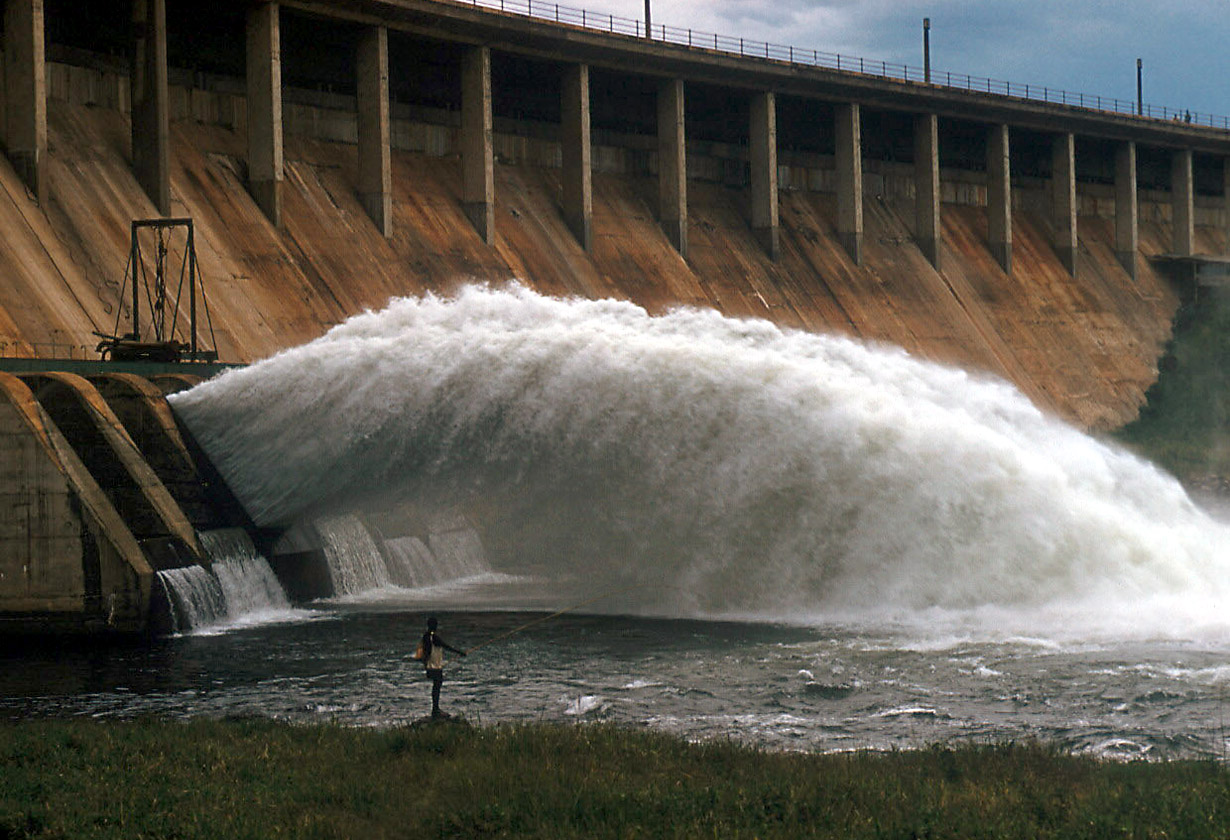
(237, 779)
(1185, 425)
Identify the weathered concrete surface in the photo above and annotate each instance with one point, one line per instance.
(142, 408)
(68, 561)
(1085, 348)
(109, 453)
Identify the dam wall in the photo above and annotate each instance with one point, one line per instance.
(1085, 346)
(1037, 268)
(344, 154)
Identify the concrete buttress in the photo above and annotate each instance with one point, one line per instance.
(104, 446)
(999, 197)
(1127, 228)
(375, 156)
(762, 151)
(264, 81)
(25, 93)
(68, 561)
(477, 154)
(151, 107)
(576, 154)
(673, 165)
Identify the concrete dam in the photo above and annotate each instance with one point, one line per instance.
(336, 155)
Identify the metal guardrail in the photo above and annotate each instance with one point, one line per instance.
(53, 349)
(747, 48)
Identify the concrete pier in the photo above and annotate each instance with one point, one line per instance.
(68, 561)
(372, 100)
(999, 197)
(927, 230)
(578, 194)
(849, 160)
(1225, 203)
(477, 155)
(98, 437)
(673, 165)
(1063, 199)
(1182, 198)
(151, 126)
(264, 77)
(25, 93)
(762, 151)
(1127, 228)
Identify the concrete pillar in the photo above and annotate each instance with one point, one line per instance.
(264, 71)
(375, 161)
(927, 229)
(477, 155)
(151, 103)
(578, 190)
(25, 93)
(1225, 204)
(763, 157)
(673, 165)
(1182, 196)
(850, 180)
(1127, 229)
(1063, 199)
(999, 197)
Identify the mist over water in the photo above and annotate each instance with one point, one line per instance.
(734, 468)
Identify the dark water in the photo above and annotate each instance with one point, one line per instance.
(778, 686)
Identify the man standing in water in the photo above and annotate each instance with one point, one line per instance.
(431, 653)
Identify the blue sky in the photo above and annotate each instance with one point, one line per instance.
(1087, 46)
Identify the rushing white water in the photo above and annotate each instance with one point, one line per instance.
(238, 586)
(734, 467)
(355, 563)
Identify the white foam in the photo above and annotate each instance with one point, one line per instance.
(742, 469)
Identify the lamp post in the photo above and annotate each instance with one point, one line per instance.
(1140, 100)
(926, 49)
(648, 24)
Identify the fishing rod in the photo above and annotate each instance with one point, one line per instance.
(557, 614)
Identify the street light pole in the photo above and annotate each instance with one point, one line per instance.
(1140, 100)
(927, 49)
(648, 25)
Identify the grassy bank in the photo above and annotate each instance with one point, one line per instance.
(209, 779)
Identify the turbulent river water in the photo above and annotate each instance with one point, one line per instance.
(803, 541)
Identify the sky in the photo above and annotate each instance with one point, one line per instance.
(1083, 46)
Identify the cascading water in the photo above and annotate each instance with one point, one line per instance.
(239, 585)
(733, 467)
(355, 563)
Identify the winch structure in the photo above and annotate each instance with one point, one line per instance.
(151, 284)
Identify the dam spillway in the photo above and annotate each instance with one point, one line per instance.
(117, 523)
(502, 433)
(1007, 236)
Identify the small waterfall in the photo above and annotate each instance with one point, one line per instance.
(411, 562)
(196, 597)
(444, 557)
(239, 584)
(355, 562)
(391, 549)
(458, 552)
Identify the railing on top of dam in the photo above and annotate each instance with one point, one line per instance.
(748, 48)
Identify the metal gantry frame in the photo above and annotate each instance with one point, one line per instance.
(162, 342)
